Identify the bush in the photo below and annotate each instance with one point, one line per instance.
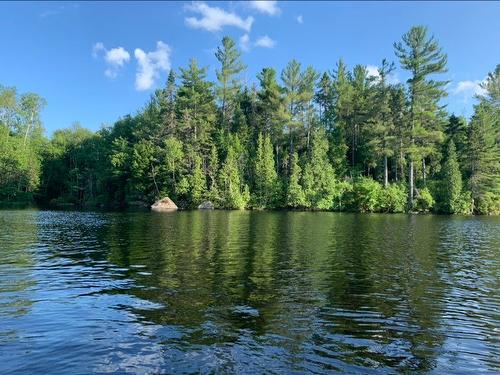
(488, 204)
(424, 201)
(463, 205)
(364, 196)
(393, 198)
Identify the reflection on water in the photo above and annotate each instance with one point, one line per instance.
(247, 292)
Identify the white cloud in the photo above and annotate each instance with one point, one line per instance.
(372, 71)
(115, 58)
(151, 64)
(98, 47)
(265, 41)
(268, 7)
(59, 10)
(245, 42)
(300, 19)
(469, 88)
(214, 19)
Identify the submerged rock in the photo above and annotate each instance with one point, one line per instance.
(207, 205)
(165, 204)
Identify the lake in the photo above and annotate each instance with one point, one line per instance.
(248, 292)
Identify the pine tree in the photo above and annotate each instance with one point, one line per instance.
(196, 106)
(167, 105)
(422, 56)
(381, 129)
(342, 112)
(234, 193)
(451, 182)
(295, 197)
(265, 176)
(271, 112)
(484, 159)
(319, 177)
(483, 148)
(197, 182)
(325, 101)
(231, 66)
(456, 131)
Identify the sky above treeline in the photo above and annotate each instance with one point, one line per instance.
(95, 62)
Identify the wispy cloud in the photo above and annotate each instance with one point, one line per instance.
(372, 71)
(115, 58)
(300, 19)
(56, 11)
(245, 42)
(151, 64)
(268, 7)
(469, 88)
(214, 18)
(265, 42)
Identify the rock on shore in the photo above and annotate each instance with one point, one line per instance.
(164, 204)
(207, 205)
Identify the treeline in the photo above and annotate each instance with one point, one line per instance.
(341, 140)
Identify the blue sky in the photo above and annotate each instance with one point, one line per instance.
(94, 62)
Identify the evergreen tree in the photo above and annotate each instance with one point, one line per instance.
(484, 159)
(265, 176)
(167, 105)
(295, 197)
(231, 66)
(381, 129)
(196, 106)
(451, 182)
(197, 182)
(483, 148)
(271, 112)
(319, 178)
(342, 109)
(233, 192)
(422, 56)
(456, 131)
(325, 100)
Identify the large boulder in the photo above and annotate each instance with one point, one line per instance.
(165, 204)
(207, 205)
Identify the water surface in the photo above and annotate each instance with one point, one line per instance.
(248, 292)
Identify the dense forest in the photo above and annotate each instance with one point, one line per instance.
(340, 140)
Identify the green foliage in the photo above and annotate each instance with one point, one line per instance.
(422, 56)
(234, 193)
(318, 179)
(345, 141)
(424, 201)
(197, 182)
(488, 204)
(393, 198)
(365, 195)
(265, 176)
(451, 184)
(231, 66)
(295, 197)
(483, 154)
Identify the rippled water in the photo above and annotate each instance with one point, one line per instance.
(248, 292)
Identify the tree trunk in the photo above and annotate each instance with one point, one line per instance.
(386, 172)
(423, 170)
(411, 183)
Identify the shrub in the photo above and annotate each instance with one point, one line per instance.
(488, 204)
(364, 196)
(393, 198)
(424, 201)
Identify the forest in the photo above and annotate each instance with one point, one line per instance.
(341, 140)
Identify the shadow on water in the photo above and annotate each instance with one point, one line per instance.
(255, 292)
